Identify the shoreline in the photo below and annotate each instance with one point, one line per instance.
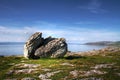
(102, 51)
(11, 56)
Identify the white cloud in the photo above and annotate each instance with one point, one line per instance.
(94, 6)
(13, 35)
(72, 34)
(2, 27)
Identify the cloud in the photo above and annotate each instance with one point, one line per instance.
(13, 34)
(71, 33)
(2, 28)
(94, 6)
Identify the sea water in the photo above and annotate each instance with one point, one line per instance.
(8, 49)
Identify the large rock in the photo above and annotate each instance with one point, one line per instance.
(37, 47)
(52, 47)
(32, 44)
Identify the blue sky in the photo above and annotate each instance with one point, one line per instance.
(78, 21)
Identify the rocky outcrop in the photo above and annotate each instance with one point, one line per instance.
(38, 47)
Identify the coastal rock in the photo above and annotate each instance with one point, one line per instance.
(32, 44)
(53, 47)
(38, 47)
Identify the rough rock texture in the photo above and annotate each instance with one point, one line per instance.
(38, 47)
(48, 75)
(53, 47)
(32, 44)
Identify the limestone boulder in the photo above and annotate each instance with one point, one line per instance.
(52, 47)
(34, 42)
(38, 47)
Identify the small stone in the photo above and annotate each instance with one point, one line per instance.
(23, 65)
(31, 65)
(47, 75)
(92, 72)
(118, 74)
(103, 66)
(25, 71)
(10, 72)
(28, 78)
(74, 73)
(92, 78)
(46, 69)
(67, 64)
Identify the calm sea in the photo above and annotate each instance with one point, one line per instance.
(8, 49)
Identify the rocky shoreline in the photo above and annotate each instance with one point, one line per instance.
(103, 51)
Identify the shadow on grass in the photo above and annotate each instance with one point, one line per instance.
(74, 57)
(66, 57)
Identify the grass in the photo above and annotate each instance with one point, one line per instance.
(79, 63)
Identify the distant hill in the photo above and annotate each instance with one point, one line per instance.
(117, 43)
(107, 43)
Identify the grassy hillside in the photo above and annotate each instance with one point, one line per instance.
(67, 68)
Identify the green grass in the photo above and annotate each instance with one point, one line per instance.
(80, 63)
